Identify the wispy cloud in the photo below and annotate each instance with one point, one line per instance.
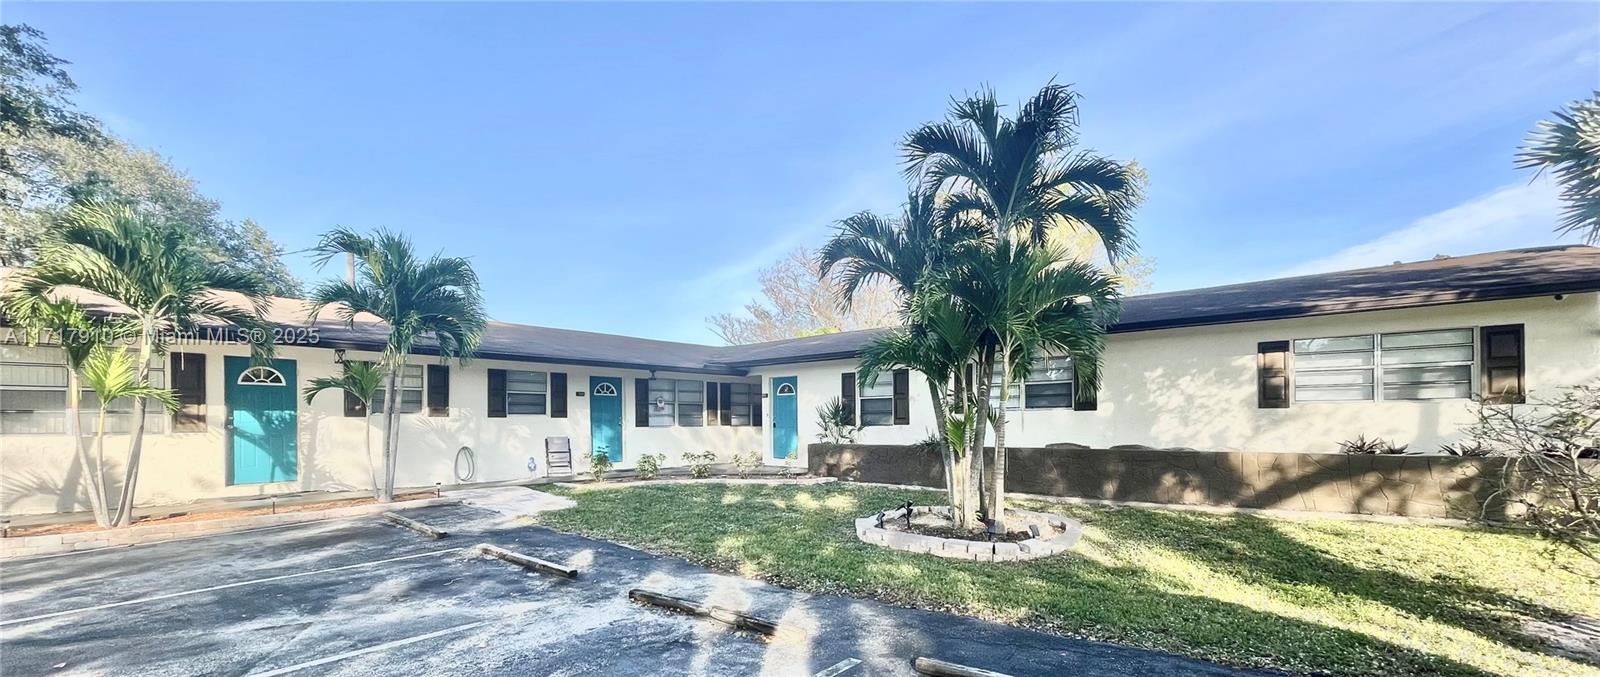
(1518, 215)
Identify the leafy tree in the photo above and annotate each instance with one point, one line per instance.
(801, 302)
(1569, 146)
(435, 299)
(165, 285)
(363, 381)
(52, 155)
(34, 99)
(1021, 178)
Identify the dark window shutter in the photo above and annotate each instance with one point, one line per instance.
(1085, 399)
(188, 374)
(641, 403)
(847, 396)
(713, 408)
(438, 390)
(497, 393)
(353, 408)
(725, 393)
(902, 397)
(558, 394)
(755, 406)
(1272, 375)
(1504, 360)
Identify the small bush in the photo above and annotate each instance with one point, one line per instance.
(835, 423)
(790, 463)
(700, 464)
(599, 463)
(650, 466)
(1376, 445)
(747, 463)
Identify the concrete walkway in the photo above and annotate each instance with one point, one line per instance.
(361, 597)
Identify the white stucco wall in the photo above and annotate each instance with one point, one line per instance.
(180, 467)
(1192, 387)
(1196, 387)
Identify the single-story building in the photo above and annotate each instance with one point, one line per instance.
(1403, 352)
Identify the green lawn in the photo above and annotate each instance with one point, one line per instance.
(1347, 598)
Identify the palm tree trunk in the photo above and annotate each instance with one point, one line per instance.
(946, 453)
(366, 437)
(386, 492)
(130, 476)
(91, 471)
(100, 454)
(997, 498)
(985, 372)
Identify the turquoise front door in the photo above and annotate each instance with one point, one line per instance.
(261, 421)
(785, 418)
(605, 416)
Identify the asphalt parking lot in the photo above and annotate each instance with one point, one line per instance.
(361, 597)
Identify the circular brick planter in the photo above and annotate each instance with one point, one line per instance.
(1055, 535)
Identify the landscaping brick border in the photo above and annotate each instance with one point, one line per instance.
(52, 544)
(1068, 532)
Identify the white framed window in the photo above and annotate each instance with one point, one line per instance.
(33, 396)
(1048, 385)
(1051, 383)
(527, 392)
(876, 401)
(679, 402)
(410, 387)
(605, 390)
(261, 376)
(1418, 365)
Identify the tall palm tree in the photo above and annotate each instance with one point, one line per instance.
(167, 287)
(363, 381)
(1022, 177)
(435, 299)
(64, 322)
(937, 342)
(1569, 146)
(1030, 303)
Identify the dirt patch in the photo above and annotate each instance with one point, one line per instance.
(78, 527)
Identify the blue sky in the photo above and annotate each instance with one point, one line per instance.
(628, 168)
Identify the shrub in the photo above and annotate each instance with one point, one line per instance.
(1376, 445)
(747, 463)
(700, 464)
(599, 463)
(835, 423)
(650, 465)
(1550, 447)
(789, 461)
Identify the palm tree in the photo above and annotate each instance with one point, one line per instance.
(1023, 175)
(1031, 303)
(936, 342)
(363, 381)
(1022, 178)
(165, 285)
(435, 299)
(65, 322)
(1570, 147)
(112, 374)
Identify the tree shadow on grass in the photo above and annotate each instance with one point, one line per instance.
(1256, 551)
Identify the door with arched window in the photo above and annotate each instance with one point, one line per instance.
(262, 422)
(785, 418)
